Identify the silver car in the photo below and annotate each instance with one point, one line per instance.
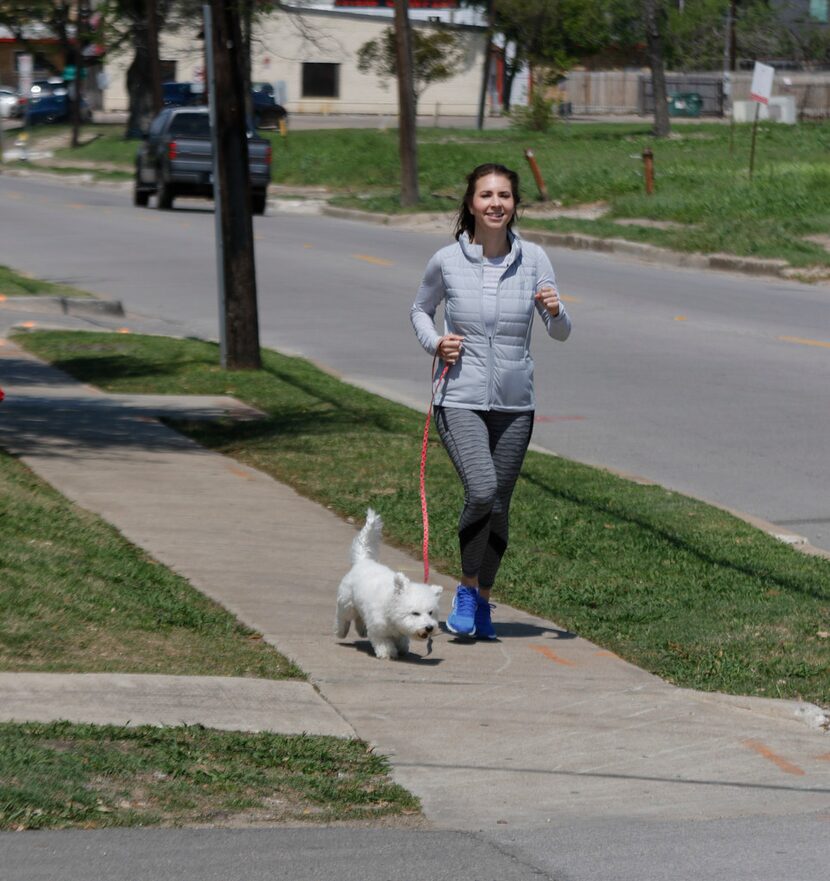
(9, 103)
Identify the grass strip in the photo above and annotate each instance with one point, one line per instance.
(15, 284)
(61, 775)
(75, 596)
(680, 588)
(702, 179)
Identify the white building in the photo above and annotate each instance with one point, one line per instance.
(309, 54)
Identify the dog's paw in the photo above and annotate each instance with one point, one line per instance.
(385, 651)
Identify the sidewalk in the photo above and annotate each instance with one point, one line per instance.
(510, 739)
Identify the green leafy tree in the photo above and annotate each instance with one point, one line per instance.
(436, 56)
(696, 33)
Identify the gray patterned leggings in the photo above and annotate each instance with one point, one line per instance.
(487, 448)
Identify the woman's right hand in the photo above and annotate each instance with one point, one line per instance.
(449, 348)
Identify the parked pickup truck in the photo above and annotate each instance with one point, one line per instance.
(176, 159)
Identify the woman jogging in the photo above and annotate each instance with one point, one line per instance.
(490, 282)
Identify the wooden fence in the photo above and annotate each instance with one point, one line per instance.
(629, 91)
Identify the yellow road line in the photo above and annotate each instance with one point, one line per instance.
(377, 261)
(804, 342)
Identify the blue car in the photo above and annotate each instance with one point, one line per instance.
(41, 108)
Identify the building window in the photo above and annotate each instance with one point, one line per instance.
(321, 80)
(818, 10)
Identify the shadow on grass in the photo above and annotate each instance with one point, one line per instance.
(111, 369)
(683, 543)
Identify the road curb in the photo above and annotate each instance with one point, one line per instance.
(64, 305)
(580, 242)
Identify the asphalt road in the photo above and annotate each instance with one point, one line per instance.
(752, 849)
(713, 384)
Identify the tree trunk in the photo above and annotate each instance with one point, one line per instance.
(139, 85)
(75, 86)
(653, 14)
(156, 98)
(241, 322)
(485, 74)
(407, 143)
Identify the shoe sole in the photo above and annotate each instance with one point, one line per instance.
(470, 633)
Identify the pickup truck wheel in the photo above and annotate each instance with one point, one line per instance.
(258, 201)
(140, 197)
(164, 197)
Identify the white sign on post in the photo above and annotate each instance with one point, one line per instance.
(761, 89)
(24, 73)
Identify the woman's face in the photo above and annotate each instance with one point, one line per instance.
(493, 205)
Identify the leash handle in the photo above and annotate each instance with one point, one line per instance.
(424, 514)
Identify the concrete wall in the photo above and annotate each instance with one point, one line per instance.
(284, 41)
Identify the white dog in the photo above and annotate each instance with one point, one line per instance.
(384, 605)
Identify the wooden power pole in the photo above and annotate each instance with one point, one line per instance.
(239, 322)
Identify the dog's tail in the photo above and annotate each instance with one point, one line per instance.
(367, 542)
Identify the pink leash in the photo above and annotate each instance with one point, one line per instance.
(424, 514)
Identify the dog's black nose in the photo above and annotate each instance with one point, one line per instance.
(429, 629)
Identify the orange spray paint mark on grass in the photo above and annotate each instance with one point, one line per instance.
(779, 761)
(551, 655)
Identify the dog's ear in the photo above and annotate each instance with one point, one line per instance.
(401, 582)
(437, 590)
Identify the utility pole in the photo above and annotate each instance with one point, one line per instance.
(407, 135)
(239, 322)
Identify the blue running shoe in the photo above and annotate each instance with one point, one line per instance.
(462, 618)
(484, 626)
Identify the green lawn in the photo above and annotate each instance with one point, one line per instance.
(14, 284)
(702, 180)
(675, 586)
(75, 596)
(61, 775)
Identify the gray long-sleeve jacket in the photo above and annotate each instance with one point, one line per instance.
(495, 370)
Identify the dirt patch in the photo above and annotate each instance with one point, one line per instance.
(819, 239)
(651, 224)
(554, 209)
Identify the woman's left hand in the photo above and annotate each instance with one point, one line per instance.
(549, 298)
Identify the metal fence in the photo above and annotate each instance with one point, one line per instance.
(710, 90)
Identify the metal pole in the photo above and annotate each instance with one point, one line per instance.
(754, 133)
(217, 213)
